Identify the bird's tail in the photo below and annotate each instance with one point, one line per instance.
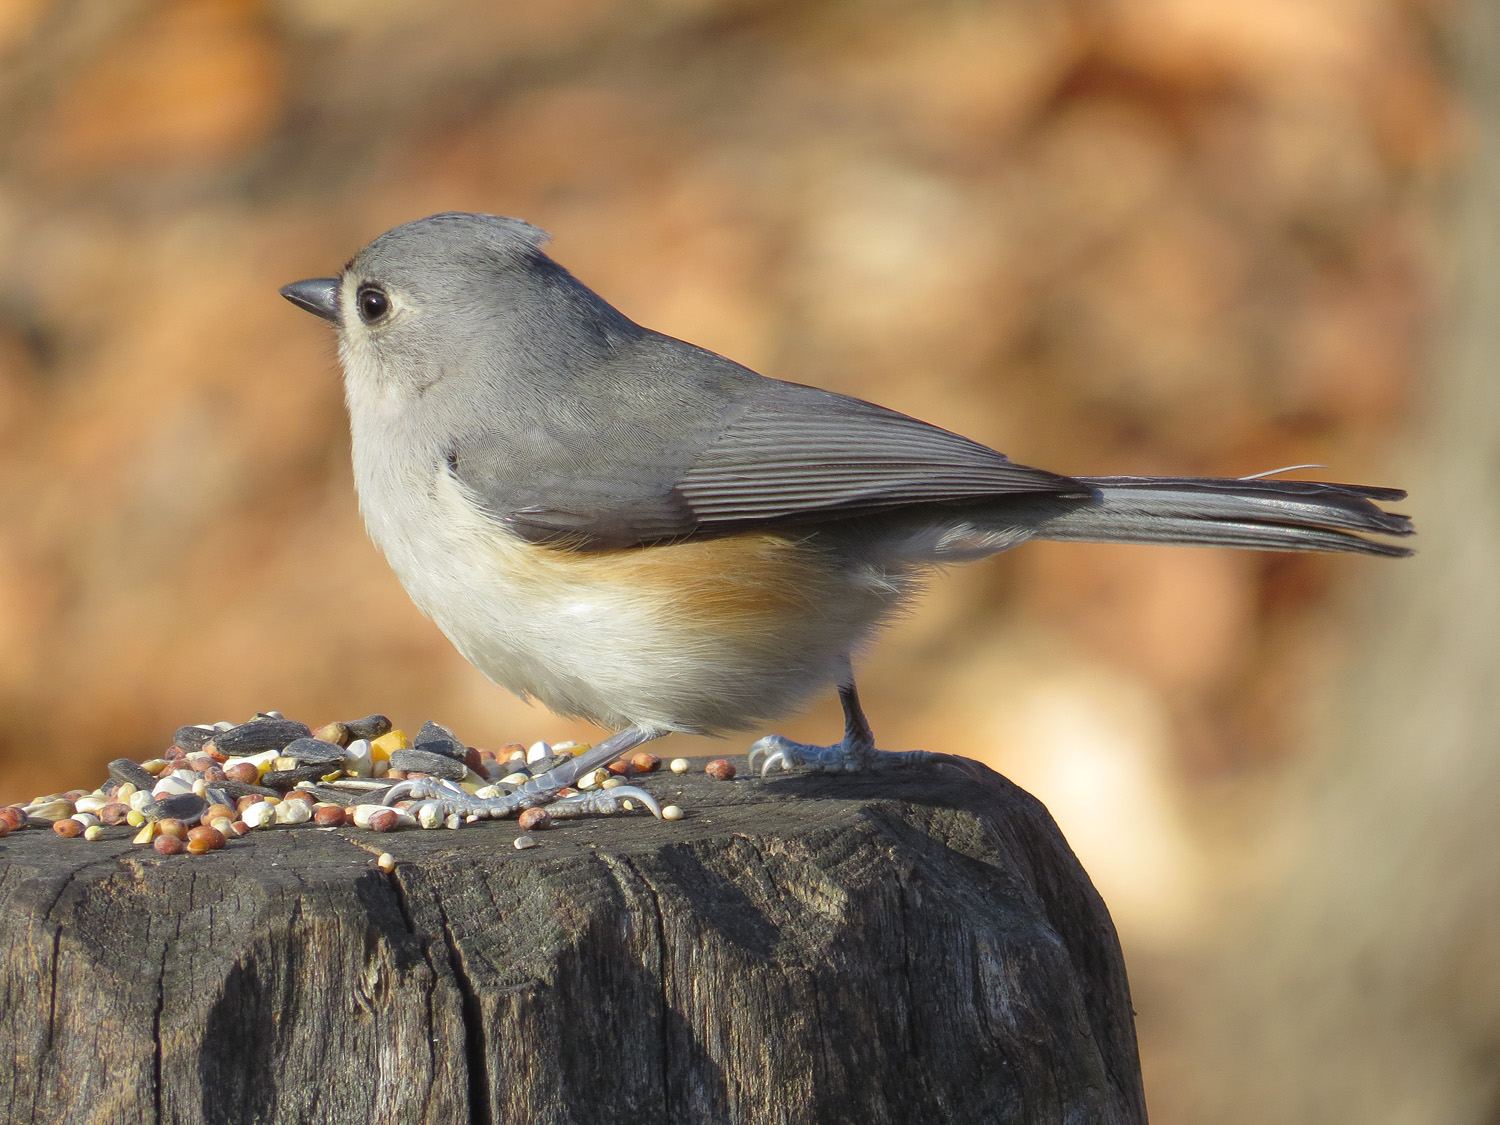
(1254, 512)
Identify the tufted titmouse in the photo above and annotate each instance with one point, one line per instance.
(640, 532)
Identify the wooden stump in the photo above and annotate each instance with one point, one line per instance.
(915, 948)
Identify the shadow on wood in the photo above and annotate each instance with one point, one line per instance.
(862, 949)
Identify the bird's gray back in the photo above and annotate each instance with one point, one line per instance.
(572, 424)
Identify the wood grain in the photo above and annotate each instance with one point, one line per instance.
(866, 949)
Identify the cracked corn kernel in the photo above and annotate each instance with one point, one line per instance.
(382, 747)
(336, 733)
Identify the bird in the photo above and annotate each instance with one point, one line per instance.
(637, 531)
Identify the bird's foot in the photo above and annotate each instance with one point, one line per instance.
(847, 757)
(602, 802)
(439, 799)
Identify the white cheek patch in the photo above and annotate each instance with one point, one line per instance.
(366, 386)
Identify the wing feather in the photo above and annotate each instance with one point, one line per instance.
(799, 452)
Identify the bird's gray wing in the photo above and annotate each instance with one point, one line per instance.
(800, 453)
(705, 447)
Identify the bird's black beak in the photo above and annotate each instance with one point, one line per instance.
(319, 296)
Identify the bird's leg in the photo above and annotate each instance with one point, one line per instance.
(542, 790)
(856, 752)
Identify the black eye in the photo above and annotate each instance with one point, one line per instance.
(373, 303)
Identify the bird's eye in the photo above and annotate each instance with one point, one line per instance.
(373, 303)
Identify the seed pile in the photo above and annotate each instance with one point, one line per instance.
(219, 781)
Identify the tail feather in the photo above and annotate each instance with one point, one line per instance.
(1257, 513)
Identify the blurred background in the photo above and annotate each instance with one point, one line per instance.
(1106, 236)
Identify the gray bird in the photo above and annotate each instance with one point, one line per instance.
(642, 533)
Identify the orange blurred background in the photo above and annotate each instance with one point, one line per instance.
(1104, 236)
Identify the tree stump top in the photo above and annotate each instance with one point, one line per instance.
(865, 949)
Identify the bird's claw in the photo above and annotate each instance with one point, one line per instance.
(445, 798)
(421, 788)
(783, 752)
(603, 802)
(843, 757)
(779, 758)
(760, 749)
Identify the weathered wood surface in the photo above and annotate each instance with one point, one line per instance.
(865, 949)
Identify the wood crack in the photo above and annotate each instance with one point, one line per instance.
(909, 1024)
(475, 1051)
(156, 1047)
(662, 970)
